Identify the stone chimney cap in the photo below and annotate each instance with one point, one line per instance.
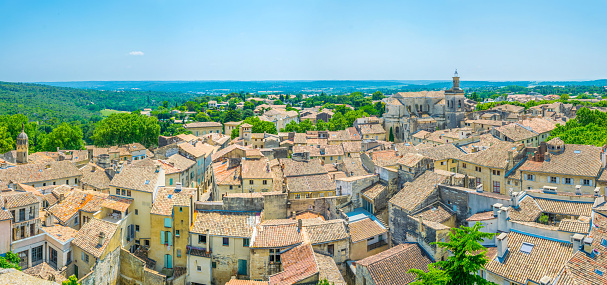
(502, 236)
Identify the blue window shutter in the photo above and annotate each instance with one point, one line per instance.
(171, 181)
(161, 237)
(169, 236)
(167, 222)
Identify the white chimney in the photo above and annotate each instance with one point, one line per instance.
(576, 240)
(545, 280)
(588, 245)
(597, 192)
(514, 200)
(479, 188)
(502, 220)
(502, 245)
(496, 208)
(178, 187)
(578, 189)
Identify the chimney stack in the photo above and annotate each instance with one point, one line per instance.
(101, 238)
(496, 208)
(177, 187)
(502, 220)
(502, 245)
(514, 199)
(479, 188)
(299, 225)
(208, 245)
(597, 192)
(545, 280)
(588, 245)
(576, 240)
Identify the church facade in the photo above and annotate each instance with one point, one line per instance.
(409, 112)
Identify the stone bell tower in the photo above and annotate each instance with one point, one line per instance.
(455, 109)
(22, 147)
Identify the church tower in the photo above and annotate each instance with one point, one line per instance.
(22, 147)
(455, 101)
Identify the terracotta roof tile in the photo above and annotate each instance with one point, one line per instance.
(546, 258)
(364, 229)
(302, 168)
(19, 199)
(246, 282)
(482, 216)
(374, 190)
(564, 207)
(87, 237)
(326, 231)
(95, 176)
(298, 264)
(578, 160)
(166, 199)
(327, 269)
(528, 210)
(228, 224)
(414, 193)
(226, 176)
(310, 183)
(435, 213)
(256, 169)
(133, 177)
(276, 234)
(46, 272)
(574, 226)
(60, 232)
(390, 267)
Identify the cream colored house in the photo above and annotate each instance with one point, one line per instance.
(256, 176)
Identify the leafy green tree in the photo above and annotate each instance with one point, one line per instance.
(232, 116)
(321, 125)
(468, 257)
(71, 281)
(65, 136)
(6, 141)
(278, 102)
(391, 136)
(434, 276)
(259, 126)
(11, 260)
(248, 106)
(377, 95)
(325, 282)
(565, 97)
(543, 219)
(124, 128)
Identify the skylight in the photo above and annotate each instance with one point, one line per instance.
(147, 182)
(577, 151)
(170, 196)
(604, 242)
(598, 272)
(526, 247)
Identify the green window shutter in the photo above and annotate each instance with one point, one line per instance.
(171, 181)
(167, 222)
(169, 238)
(161, 237)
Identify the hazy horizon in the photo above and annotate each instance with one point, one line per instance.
(74, 41)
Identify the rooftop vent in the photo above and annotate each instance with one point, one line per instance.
(526, 247)
(147, 182)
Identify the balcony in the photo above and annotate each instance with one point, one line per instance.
(378, 244)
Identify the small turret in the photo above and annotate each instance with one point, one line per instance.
(22, 144)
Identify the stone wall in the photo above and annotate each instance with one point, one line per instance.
(326, 206)
(353, 186)
(275, 206)
(154, 278)
(105, 271)
(166, 151)
(132, 269)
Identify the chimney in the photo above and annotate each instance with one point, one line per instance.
(177, 187)
(299, 225)
(101, 239)
(93, 168)
(61, 197)
(514, 199)
(208, 246)
(547, 157)
(545, 280)
(479, 188)
(576, 240)
(157, 168)
(502, 220)
(502, 245)
(421, 225)
(578, 189)
(597, 192)
(588, 245)
(496, 208)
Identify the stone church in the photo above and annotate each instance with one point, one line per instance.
(409, 112)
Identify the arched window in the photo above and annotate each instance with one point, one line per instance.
(459, 105)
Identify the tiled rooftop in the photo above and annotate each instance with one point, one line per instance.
(390, 267)
(228, 224)
(276, 234)
(366, 228)
(87, 237)
(414, 193)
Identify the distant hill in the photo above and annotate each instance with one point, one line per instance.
(42, 102)
(327, 86)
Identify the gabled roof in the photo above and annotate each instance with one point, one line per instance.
(19, 199)
(95, 176)
(320, 231)
(365, 228)
(391, 267)
(302, 168)
(298, 263)
(276, 234)
(87, 237)
(414, 193)
(546, 258)
(227, 224)
(578, 160)
(167, 198)
(141, 178)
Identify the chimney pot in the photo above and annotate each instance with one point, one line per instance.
(576, 240)
(502, 245)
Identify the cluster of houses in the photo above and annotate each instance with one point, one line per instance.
(298, 208)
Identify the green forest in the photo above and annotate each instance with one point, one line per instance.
(589, 127)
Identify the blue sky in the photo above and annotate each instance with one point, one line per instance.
(302, 40)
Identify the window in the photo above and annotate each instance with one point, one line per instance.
(463, 165)
(136, 228)
(553, 179)
(179, 253)
(37, 254)
(567, 181)
(123, 192)
(69, 257)
(231, 187)
(275, 255)
(147, 242)
(21, 214)
(250, 182)
(165, 238)
(496, 186)
(168, 261)
(199, 268)
(32, 229)
(76, 220)
(67, 182)
(167, 222)
(53, 256)
(176, 233)
(226, 241)
(307, 195)
(526, 247)
(214, 264)
(586, 182)
(84, 257)
(245, 242)
(297, 196)
(265, 182)
(496, 172)
(478, 169)
(128, 193)
(530, 177)
(136, 212)
(202, 239)
(478, 181)
(442, 163)
(117, 191)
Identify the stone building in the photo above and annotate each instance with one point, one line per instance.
(409, 112)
